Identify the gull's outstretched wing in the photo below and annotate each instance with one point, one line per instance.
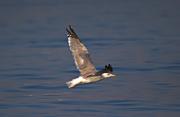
(80, 53)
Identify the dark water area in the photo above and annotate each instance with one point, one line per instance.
(139, 38)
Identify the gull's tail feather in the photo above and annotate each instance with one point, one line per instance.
(70, 84)
(74, 82)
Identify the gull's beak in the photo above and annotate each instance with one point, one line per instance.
(113, 75)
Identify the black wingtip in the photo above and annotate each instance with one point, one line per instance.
(108, 68)
(70, 28)
(68, 31)
(71, 32)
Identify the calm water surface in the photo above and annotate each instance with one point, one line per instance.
(140, 39)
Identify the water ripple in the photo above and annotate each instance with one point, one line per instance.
(123, 105)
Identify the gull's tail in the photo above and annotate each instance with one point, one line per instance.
(70, 84)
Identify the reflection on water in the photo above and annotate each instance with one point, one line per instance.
(140, 42)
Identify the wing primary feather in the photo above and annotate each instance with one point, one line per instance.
(71, 29)
(80, 53)
(71, 32)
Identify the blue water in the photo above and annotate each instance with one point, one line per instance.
(139, 38)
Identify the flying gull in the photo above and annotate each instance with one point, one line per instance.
(83, 62)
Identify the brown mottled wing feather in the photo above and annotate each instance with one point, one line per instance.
(80, 53)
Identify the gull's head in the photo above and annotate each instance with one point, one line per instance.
(107, 71)
(108, 75)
